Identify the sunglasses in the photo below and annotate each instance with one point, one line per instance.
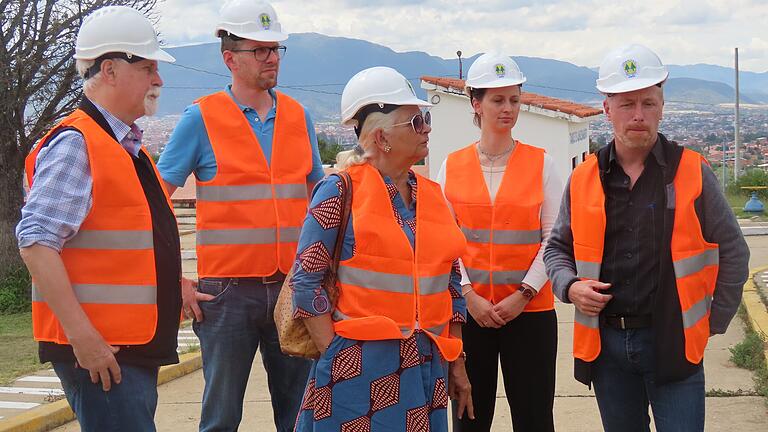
(418, 122)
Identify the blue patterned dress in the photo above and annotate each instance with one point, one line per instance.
(360, 386)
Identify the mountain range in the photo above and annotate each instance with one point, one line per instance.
(316, 67)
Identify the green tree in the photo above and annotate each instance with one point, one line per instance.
(328, 149)
(39, 86)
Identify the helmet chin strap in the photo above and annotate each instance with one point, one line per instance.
(370, 109)
(93, 70)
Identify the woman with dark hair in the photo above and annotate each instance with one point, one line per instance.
(505, 196)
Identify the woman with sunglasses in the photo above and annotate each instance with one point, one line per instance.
(505, 195)
(396, 328)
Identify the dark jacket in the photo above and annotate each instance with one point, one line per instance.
(719, 226)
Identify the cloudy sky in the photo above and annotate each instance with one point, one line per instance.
(577, 31)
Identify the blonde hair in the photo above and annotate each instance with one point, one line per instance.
(374, 121)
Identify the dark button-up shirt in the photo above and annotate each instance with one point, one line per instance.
(633, 234)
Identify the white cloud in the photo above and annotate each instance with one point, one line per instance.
(681, 31)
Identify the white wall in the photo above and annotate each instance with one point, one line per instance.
(579, 141)
(452, 129)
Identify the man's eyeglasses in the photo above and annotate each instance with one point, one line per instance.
(417, 122)
(263, 53)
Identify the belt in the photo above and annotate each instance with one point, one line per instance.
(278, 277)
(623, 322)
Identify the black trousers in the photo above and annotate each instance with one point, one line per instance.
(527, 347)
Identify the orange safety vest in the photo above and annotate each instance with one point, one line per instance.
(249, 214)
(503, 236)
(695, 261)
(387, 285)
(111, 260)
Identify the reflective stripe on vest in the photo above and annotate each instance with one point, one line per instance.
(247, 236)
(499, 276)
(696, 263)
(587, 270)
(111, 240)
(250, 192)
(109, 294)
(392, 282)
(699, 310)
(502, 237)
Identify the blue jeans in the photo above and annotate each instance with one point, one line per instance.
(126, 407)
(235, 324)
(624, 380)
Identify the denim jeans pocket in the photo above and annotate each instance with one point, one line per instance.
(217, 287)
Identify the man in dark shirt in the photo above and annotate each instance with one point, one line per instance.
(633, 234)
(650, 254)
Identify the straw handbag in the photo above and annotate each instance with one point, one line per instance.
(293, 334)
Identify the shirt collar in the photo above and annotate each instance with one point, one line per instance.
(244, 108)
(128, 136)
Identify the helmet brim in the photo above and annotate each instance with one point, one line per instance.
(162, 56)
(259, 36)
(351, 121)
(498, 83)
(631, 85)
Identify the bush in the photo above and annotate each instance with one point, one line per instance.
(752, 177)
(15, 292)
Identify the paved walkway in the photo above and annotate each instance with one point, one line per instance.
(575, 406)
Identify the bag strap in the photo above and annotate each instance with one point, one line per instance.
(346, 210)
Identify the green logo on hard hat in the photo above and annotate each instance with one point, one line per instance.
(266, 21)
(630, 68)
(501, 71)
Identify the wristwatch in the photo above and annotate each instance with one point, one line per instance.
(527, 291)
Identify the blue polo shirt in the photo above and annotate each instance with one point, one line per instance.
(189, 149)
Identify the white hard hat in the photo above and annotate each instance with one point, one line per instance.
(250, 19)
(629, 68)
(493, 70)
(118, 29)
(378, 85)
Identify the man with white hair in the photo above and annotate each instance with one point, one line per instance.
(649, 252)
(254, 154)
(99, 236)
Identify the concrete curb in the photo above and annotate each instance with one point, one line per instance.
(48, 416)
(756, 310)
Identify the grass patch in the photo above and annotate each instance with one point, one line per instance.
(750, 354)
(18, 352)
(15, 292)
(718, 392)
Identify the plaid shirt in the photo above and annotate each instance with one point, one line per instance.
(60, 197)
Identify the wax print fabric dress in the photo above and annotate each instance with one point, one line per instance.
(385, 385)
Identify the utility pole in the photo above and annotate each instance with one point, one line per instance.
(461, 71)
(724, 176)
(736, 136)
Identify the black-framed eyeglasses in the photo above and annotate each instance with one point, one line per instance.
(417, 122)
(263, 53)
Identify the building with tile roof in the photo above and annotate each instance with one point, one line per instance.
(559, 126)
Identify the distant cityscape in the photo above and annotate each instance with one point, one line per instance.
(705, 130)
(708, 131)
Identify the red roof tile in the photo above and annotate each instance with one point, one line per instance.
(532, 99)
